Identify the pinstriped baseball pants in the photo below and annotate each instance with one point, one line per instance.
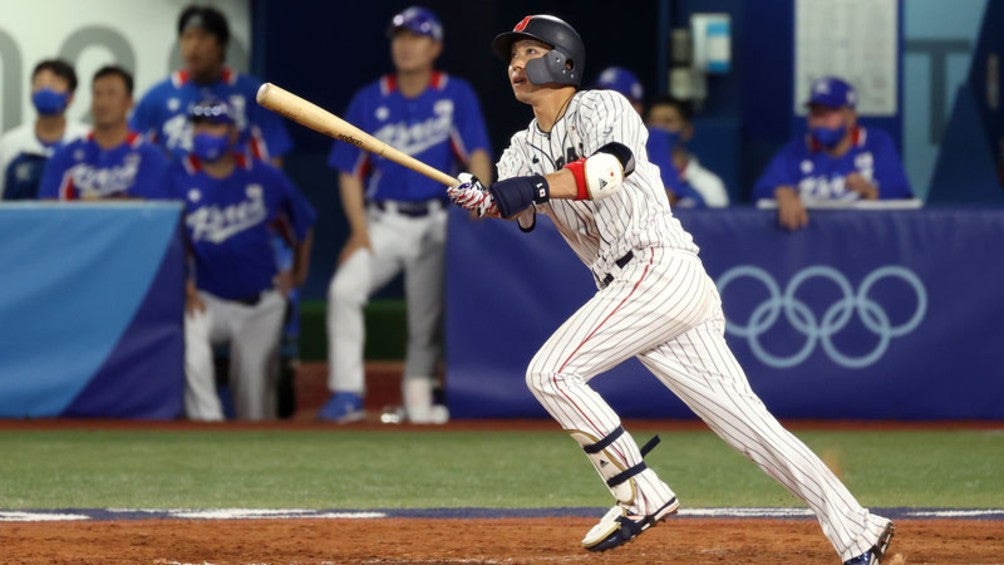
(664, 309)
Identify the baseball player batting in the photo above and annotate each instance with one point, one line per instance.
(582, 163)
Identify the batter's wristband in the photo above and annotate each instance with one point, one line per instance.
(578, 169)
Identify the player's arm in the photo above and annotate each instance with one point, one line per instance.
(592, 178)
(193, 302)
(779, 181)
(351, 189)
(481, 166)
(791, 213)
(301, 258)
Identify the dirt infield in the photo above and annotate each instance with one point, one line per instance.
(684, 540)
(451, 540)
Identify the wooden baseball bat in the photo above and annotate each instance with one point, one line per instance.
(318, 119)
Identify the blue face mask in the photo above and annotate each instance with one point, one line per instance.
(209, 147)
(48, 102)
(674, 138)
(828, 137)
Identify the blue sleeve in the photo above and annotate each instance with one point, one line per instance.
(52, 176)
(142, 119)
(782, 171)
(151, 179)
(273, 131)
(345, 157)
(469, 122)
(889, 173)
(298, 209)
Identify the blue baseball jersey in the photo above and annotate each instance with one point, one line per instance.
(803, 164)
(83, 169)
(442, 126)
(660, 146)
(162, 114)
(231, 222)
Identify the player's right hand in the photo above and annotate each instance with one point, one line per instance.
(358, 240)
(791, 213)
(471, 195)
(193, 302)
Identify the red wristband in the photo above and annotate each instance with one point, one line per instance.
(578, 169)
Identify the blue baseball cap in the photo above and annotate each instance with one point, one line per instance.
(832, 92)
(419, 20)
(212, 110)
(621, 80)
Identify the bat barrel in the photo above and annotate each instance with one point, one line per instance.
(318, 119)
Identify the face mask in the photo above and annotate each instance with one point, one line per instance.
(209, 147)
(828, 137)
(674, 138)
(48, 102)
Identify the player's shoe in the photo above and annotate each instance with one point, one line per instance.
(874, 555)
(342, 407)
(618, 527)
(436, 414)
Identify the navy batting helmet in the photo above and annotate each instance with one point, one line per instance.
(563, 64)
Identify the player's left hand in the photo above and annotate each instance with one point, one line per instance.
(283, 282)
(193, 302)
(471, 195)
(858, 183)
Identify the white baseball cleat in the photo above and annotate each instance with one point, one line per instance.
(617, 527)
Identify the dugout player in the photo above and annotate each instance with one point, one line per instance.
(162, 113)
(660, 144)
(26, 149)
(837, 159)
(582, 163)
(235, 294)
(677, 117)
(397, 217)
(112, 161)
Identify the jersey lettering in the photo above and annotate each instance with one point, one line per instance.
(105, 181)
(831, 186)
(416, 138)
(216, 224)
(570, 156)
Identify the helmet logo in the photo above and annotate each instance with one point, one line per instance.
(522, 24)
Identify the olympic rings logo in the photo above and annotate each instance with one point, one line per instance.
(836, 317)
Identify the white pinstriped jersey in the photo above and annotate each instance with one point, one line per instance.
(599, 232)
(663, 309)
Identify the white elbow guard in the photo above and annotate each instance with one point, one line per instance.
(602, 173)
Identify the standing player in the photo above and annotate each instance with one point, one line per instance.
(162, 113)
(836, 160)
(235, 294)
(582, 163)
(112, 161)
(25, 149)
(397, 217)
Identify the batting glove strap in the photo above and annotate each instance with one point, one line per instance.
(513, 195)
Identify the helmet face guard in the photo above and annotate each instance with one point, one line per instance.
(552, 68)
(562, 65)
